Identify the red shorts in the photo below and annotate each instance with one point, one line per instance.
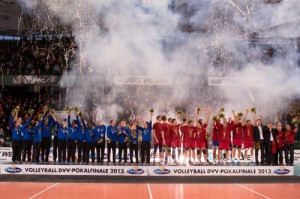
(248, 144)
(160, 142)
(224, 146)
(200, 145)
(237, 143)
(189, 145)
(206, 143)
(176, 143)
(168, 142)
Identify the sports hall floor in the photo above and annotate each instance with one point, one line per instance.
(76, 187)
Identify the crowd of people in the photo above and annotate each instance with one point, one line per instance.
(175, 141)
(37, 57)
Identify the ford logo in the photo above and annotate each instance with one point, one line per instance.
(13, 170)
(135, 171)
(282, 171)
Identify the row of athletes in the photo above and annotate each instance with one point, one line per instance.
(227, 135)
(79, 135)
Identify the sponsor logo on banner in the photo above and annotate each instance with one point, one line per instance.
(135, 171)
(162, 171)
(13, 169)
(281, 171)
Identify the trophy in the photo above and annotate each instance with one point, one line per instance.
(151, 110)
(221, 110)
(45, 108)
(40, 117)
(253, 110)
(17, 108)
(76, 109)
(240, 114)
(140, 139)
(69, 108)
(30, 111)
(198, 110)
(14, 111)
(52, 111)
(216, 118)
(295, 121)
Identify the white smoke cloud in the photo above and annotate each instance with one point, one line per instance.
(121, 38)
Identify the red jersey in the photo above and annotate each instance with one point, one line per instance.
(200, 133)
(238, 132)
(188, 133)
(166, 129)
(248, 133)
(215, 135)
(158, 128)
(280, 139)
(174, 129)
(225, 133)
(290, 136)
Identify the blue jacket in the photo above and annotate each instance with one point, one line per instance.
(62, 132)
(46, 130)
(16, 132)
(80, 135)
(112, 132)
(27, 133)
(37, 132)
(100, 133)
(89, 133)
(123, 133)
(146, 132)
(72, 131)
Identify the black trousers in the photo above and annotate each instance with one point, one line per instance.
(45, 146)
(145, 151)
(71, 150)
(55, 148)
(268, 154)
(100, 148)
(278, 156)
(36, 152)
(134, 147)
(90, 147)
(81, 151)
(289, 153)
(123, 150)
(61, 150)
(17, 150)
(262, 153)
(111, 147)
(26, 150)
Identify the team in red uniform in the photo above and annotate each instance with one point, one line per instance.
(188, 131)
(176, 140)
(248, 137)
(166, 137)
(158, 141)
(289, 144)
(225, 130)
(237, 139)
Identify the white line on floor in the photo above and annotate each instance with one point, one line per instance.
(39, 193)
(149, 190)
(253, 191)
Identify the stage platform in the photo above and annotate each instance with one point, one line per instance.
(144, 171)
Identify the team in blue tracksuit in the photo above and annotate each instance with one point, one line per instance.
(80, 135)
(37, 139)
(89, 133)
(146, 141)
(100, 131)
(46, 137)
(72, 137)
(17, 137)
(133, 146)
(112, 132)
(27, 140)
(123, 135)
(62, 140)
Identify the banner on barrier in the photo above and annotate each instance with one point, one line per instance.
(220, 171)
(74, 170)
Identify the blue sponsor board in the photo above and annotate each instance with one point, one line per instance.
(13, 169)
(136, 171)
(162, 171)
(281, 171)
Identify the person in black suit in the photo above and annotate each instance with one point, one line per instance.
(269, 137)
(258, 138)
